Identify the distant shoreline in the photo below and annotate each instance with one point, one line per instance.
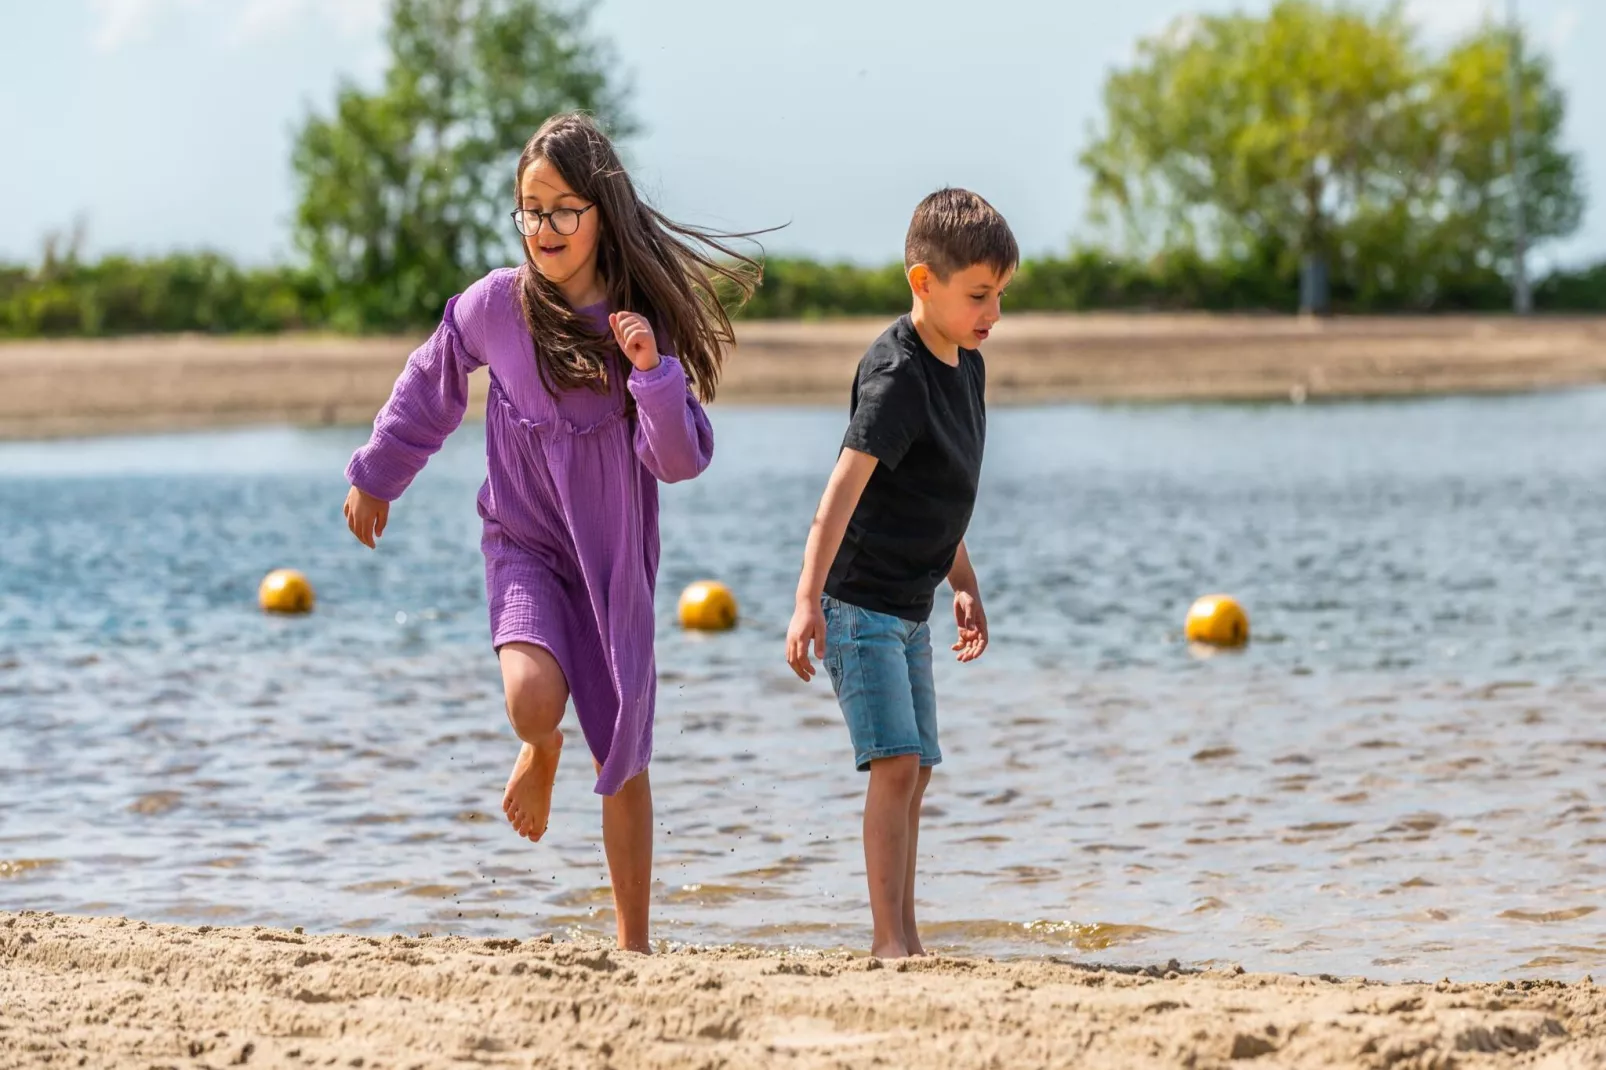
(116, 992)
(91, 387)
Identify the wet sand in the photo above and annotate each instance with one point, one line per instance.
(86, 387)
(109, 992)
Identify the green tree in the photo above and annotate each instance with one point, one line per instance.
(404, 193)
(1326, 134)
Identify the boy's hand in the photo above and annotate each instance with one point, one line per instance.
(366, 516)
(972, 620)
(808, 624)
(634, 336)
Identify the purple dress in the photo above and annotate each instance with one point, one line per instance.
(570, 503)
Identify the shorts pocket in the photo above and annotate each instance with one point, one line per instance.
(838, 629)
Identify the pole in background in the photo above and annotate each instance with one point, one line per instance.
(1522, 297)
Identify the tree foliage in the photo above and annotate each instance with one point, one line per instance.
(205, 292)
(404, 192)
(1324, 129)
(1229, 150)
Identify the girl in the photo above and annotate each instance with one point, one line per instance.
(589, 408)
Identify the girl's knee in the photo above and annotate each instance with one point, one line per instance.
(534, 715)
(633, 792)
(536, 693)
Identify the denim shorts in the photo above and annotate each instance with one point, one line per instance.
(880, 667)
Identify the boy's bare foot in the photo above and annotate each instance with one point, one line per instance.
(528, 799)
(911, 937)
(889, 950)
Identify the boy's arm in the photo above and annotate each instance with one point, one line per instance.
(968, 613)
(842, 493)
(962, 577)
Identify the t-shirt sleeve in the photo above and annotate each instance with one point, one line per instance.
(891, 411)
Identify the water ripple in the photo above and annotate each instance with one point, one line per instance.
(1403, 777)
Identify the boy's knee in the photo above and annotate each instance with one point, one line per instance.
(901, 772)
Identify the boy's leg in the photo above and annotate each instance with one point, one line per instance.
(627, 841)
(923, 690)
(888, 848)
(865, 656)
(537, 694)
(911, 933)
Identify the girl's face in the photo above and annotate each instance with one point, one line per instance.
(568, 261)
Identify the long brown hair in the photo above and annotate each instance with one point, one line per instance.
(666, 271)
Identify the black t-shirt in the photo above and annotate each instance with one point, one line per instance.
(925, 422)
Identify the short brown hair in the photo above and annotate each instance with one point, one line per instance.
(954, 229)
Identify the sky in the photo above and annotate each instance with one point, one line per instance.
(167, 124)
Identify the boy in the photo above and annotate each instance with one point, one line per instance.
(891, 527)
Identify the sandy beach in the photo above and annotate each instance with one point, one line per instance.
(109, 992)
(121, 993)
(89, 387)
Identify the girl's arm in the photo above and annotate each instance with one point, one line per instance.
(841, 498)
(673, 436)
(426, 404)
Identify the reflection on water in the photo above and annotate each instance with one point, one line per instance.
(1403, 777)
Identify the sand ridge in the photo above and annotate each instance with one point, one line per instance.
(90, 387)
(110, 992)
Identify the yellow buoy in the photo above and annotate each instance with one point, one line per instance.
(707, 606)
(1217, 620)
(285, 590)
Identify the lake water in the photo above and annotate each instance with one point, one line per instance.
(1404, 776)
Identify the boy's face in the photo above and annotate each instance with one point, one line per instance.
(966, 306)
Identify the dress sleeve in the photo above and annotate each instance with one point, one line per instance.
(673, 436)
(426, 404)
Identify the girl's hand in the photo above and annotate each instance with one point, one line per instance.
(634, 336)
(972, 620)
(808, 625)
(366, 516)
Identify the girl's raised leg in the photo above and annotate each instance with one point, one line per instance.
(537, 694)
(627, 839)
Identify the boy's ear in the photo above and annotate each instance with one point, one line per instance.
(920, 280)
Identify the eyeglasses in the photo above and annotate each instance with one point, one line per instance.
(564, 221)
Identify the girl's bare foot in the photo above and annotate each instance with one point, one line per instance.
(889, 950)
(528, 799)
